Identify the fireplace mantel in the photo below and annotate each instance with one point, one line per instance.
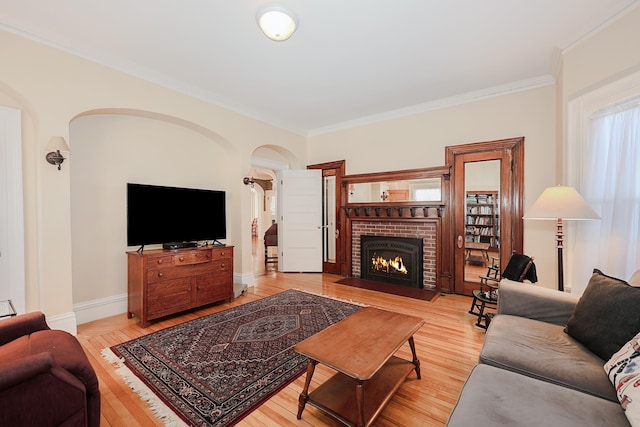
(387, 211)
(400, 218)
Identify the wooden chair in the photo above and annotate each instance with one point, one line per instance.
(519, 268)
(270, 239)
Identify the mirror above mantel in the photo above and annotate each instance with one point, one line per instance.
(411, 187)
(410, 193)
(405, 190)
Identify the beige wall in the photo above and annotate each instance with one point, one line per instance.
(419, 141)
(52, 88)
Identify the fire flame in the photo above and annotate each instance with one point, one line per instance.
(391, 265)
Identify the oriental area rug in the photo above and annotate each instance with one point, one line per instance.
(214, 370)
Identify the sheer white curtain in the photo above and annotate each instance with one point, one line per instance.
(610, 182)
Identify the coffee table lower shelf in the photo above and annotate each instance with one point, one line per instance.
(338, 396)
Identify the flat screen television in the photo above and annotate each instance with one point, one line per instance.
(174, 215)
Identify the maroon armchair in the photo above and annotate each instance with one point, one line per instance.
(45, 376)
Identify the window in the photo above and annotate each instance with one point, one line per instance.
(606, 171)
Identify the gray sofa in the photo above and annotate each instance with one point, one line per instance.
(532, 373)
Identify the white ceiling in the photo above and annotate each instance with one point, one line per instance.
(349, 62)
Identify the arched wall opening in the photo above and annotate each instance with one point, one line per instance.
(111, 148)
(266, 161)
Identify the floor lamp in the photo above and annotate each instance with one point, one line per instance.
(560, 203)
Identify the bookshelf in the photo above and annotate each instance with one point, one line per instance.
(482, 218)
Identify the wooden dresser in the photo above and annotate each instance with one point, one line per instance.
(163, 282)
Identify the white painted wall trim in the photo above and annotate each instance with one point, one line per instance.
(100, 308)
(244, 278)
(478, 95)
(580, 110)
(261, 162)
(12, 210)
(89, 311)
(66, 322)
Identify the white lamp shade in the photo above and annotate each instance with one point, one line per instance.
(58, 143)
(560, 202)
(276, 22)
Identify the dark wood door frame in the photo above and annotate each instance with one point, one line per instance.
(336, 169)
(511, 154)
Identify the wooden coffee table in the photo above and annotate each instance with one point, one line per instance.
(361, 348)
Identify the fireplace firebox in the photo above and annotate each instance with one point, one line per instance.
(396, 260)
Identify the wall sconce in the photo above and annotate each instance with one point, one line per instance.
(57, 145)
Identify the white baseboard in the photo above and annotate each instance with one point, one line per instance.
(66, 322)
(244, 278)
(89, 311)
(100, 308)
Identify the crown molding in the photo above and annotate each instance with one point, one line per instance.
(465, 98)
(602, 25)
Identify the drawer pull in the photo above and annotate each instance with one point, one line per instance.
(160, 274)
(181, 259)
(221, 253)
(159, 261)
(222, 266)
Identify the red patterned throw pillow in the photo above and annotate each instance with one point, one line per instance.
(623, 370)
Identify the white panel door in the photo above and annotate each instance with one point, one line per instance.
(300, 220)
(12, 280)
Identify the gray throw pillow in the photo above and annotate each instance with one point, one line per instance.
(607, 315)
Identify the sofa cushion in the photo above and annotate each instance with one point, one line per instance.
(493, 397)
(606, 316)
(623, 370)
(542, 350)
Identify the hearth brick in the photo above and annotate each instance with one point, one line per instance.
(426, 231)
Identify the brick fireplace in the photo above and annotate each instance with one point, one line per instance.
(397, 228)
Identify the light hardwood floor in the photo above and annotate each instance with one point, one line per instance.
(447, 346)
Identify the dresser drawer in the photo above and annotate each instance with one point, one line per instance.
(192, 257)
(220, 266)
(154, 262)
(223, 253)
(170, 272)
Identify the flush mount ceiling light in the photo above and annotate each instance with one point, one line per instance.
(276, 22)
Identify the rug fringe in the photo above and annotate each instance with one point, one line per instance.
(157, 406)
(349, 301)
